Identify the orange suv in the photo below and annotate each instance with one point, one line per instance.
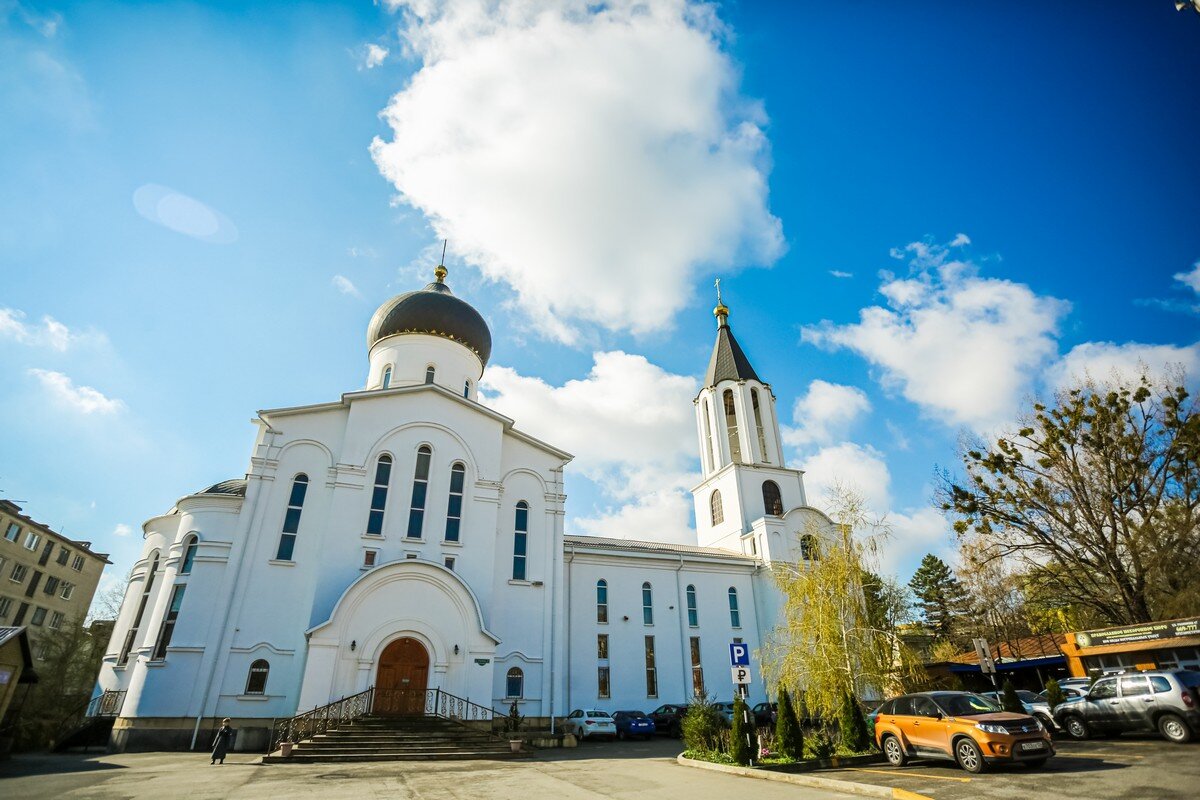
(958, 726)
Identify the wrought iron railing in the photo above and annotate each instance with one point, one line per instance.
(430, 703)
(107, 704)
(324, 718)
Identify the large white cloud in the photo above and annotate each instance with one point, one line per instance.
(964, 348)
(50, 333)
(631, 427)
(825, 412)
(859, 468)
(1102, 361)
(594, 157)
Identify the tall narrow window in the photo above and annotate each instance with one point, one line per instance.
(416, 510)
(291, 519)
(603, 689)
(430, 372)
(168, 624)
(256, 679)
(772, 501)
(466, 388)
(387, 382)
(809, 550)
(693, 616)
(189, 554)
(601, 600)
(647, 604)
(458, 476)
(718, 510)
(383, 477)
(147, 586)
(735, 616)
(520, 540)
(708, 448)
(651, 669)
(697, 668)
(514, 683)
(731, 428)
(602, 646)
(762, 437)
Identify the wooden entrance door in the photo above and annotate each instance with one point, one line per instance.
(402, 678)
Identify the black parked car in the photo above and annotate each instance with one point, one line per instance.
(668, 718)
(764, 715)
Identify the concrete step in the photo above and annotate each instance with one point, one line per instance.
(298, 758)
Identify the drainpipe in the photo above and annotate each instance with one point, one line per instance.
(686, 653)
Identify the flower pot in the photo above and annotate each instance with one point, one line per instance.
(515, 744)
(285, 749)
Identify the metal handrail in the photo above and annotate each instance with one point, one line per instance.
(321, 719)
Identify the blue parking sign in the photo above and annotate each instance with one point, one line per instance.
(739, 654)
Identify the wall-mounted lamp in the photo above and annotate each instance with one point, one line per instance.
(670, 608)
(455, 649)
(353, 645)
(625, 618)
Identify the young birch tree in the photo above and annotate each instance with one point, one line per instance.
(829, 643)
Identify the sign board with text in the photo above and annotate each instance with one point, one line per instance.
(741, 675)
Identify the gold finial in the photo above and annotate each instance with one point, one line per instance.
(439, 272)
(722, 310)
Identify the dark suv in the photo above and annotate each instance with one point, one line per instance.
(668, 719)
(1166, 700)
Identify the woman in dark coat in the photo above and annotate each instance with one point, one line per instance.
(223, 741)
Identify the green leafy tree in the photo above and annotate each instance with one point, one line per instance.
(853, 726)
(1096, 496)
(741, 750)
(789, 737)
(701, 726)
(1054, 694)
(941, 601)
(1009, 700)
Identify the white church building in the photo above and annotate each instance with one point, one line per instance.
(406, 536)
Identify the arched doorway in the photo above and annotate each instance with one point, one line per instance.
(402, 678)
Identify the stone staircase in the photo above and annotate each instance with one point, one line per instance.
(416, 738)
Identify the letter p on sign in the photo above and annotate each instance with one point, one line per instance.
(739, 655)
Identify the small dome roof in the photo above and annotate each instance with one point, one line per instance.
(235, 486)
(435, 311)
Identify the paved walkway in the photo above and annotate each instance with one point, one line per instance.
(634, 770)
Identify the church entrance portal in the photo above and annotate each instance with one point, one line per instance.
(402, 678)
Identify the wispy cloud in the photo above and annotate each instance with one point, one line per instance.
(837, 273)
(122, 530)
(519, 104)
(83, 399)
(345, 286)
(48, 333)
(371, 56)
(176, 211)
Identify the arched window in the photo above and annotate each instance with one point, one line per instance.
(387, 382)
(601, 600)
(191, 544)
(458, 476)
(383, 476)
(718, 510)
(809, 549)
(256, 679)
(647, 604)
(520, 537)
(514, 683)
(772, 500)
(735, 616)
(416, 509)
(291, 518)
(731, 428)
(466, 388)
(147, 587)
(430, 372)
(758, 424)
(693, 615)
(708, 449)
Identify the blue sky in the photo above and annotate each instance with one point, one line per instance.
(196, 224)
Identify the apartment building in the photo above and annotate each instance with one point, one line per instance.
(46, 580)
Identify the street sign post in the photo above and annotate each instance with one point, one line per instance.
(739, 654)
(986, 665)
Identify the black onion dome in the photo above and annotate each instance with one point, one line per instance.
(433, 310)
(236, 486)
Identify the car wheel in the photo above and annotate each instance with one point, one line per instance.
(1174, 729)
(1077, 728)
(894, 751)
(1036, 763)
(968, 756)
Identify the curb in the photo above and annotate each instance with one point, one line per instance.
(801, 779)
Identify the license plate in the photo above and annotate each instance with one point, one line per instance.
(1032, 745)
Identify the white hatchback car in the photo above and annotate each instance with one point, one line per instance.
(588, 723)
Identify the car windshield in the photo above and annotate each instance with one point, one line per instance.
(630, 714)
(965, 704)
(598, 714)
(1028, 697)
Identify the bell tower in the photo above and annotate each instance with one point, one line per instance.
(741, 453)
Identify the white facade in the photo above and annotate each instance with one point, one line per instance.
(260, 598)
